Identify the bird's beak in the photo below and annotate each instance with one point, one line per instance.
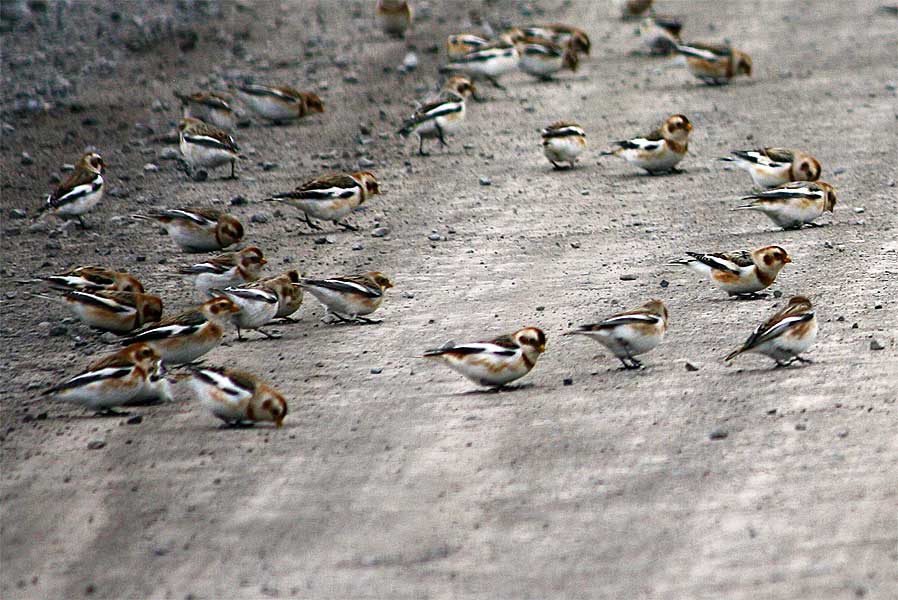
(262, 261)
(542, 348)
(279, 422)
(788, 259)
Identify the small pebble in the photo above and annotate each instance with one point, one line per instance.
(26, 159)
(135, 420)
(434, 237)
(270, 166)
(57, 330)
(239, 201)
(260, 218)
(800, 427)
(628, 277)
(376, 370)
(718, 434)
(380, 232)
(838, 170)
(18, 213)
(664, 283)
(366, 163)
(842, 434)
(691, 367)
(358, 246)
(777, 294)
(575, 245)
(874, 345)
(859, 210)
(486, 181)
(567, 381)
(169, 154)
(150, 168)
(96, 444)
(200, 175)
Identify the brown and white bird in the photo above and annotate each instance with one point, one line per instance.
(715, 64)
(770, 167)
(205, 146)
(793, 205)
(118, 312)
(742, 273)
(349, 299)
(660, 35)
(93, 279)
(784, 336)
(331, 197)
(443, 116)
(488, 62)
(394, 16)
(630, 9)
(497, 362)
(197, 229)
(560, 34)
(563, 142)
(80, 192)
(289, 292)
(661, 150)
(279, 103)
(236, 397)
(459, 44)
(208, 107)
(543, 58)
(133, 374)
(186, 336)
(230, 268)
(631, 333)
(258, 307)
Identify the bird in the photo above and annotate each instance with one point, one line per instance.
(543, 58)
(236, 397)
(784, 336)
(209, 107)
(197, 229)
(459, 44)
(488, 62)
(183, 338)
(205, 146)
(563, 141)
(660, 35)
(742, 273)
(289, 292)
(279, 103)
(495, 363)
(633, 8)
(793, 205)
(230, 268)
(130, 375)
(440, 117)
(395, 16)
(715, 64)
(770, 167)
(661, 150)
(560, 34)
(348, 299)
(80, 192)
(93, 279)
(631, 333)
(258, 307)
(331, 197)
(118, 312)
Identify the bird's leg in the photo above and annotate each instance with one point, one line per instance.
(346, 226)
(240, 337)
(495, 82)
(804, 361)
(367, 321)
(421, 146)
(289, 320)
(440, 136)
(233, 170)
(556, 165)
(311, 224)
(270, 336)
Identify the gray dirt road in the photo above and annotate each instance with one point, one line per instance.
(404, 483)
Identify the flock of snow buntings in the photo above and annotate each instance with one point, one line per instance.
(236, 294)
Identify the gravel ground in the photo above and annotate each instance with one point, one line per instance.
(393, 478)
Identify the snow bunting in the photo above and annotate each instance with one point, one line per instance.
(489, 62)
(118, 312)
(198, 229)
(205, 146)
(185, 337)
(279, 103)
(563, 142)
(395, 16)
(560, 34)
(633, 8)
(660, 35)
(543, 58)
(258, 306)
(289, 293)
(785, 335)
(770, 167)
(497, 362)
(661, 150)
(133, 374)
(795, 204)
(92, 279)
(631, 333)
(331, 197)
(81, 191)
(236, 397)
(715, 64)
(740, 273)
(459, 44)
(208, 107)
(349, 298)
(230, 268)
(442, 116)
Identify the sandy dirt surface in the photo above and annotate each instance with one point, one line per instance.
(391, 478)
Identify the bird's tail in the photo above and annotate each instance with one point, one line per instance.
(733, 355)
(745, 206)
